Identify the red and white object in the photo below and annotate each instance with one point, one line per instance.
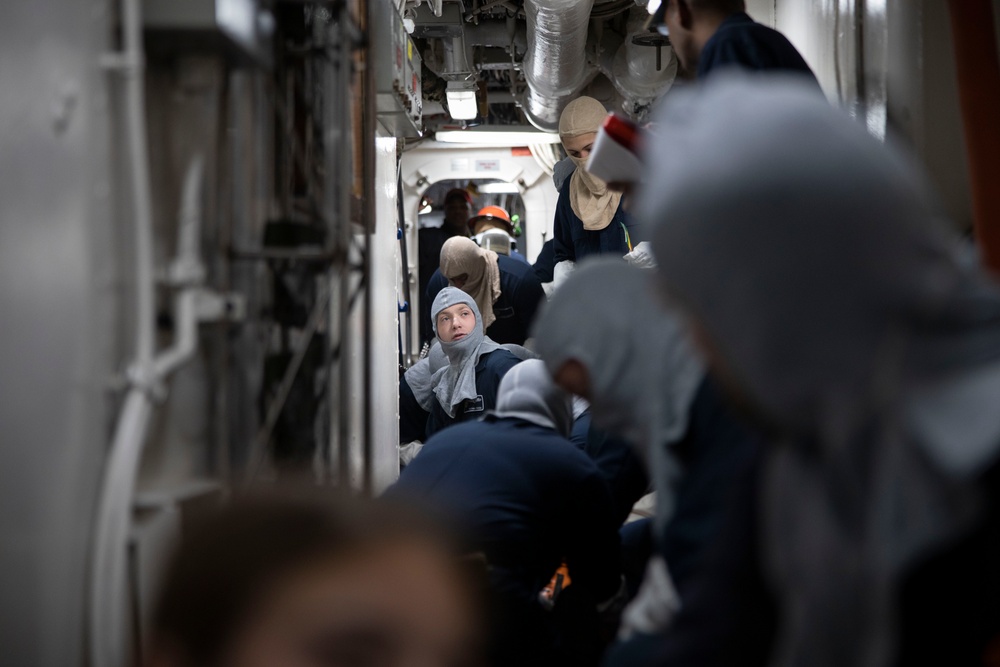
(615, 155)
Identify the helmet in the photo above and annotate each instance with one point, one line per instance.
(496, 240)
(494, 214)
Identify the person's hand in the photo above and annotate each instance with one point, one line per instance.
(561, 272)
(408, 452)
(642, 256)
(654, 606)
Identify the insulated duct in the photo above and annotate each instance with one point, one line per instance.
(555, 66)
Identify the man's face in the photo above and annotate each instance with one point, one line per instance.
(455, 323)
(457, 212)
(483, 224)
(681, 38)
(459, 280)
(579, 147)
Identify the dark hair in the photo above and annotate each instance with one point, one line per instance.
(229, 560)
(722, 6)
(458, 194)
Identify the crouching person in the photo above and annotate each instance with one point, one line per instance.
(528, 500)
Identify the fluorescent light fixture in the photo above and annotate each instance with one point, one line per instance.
(652, 6)
(498, 135)
(499, 189)
(462, 102)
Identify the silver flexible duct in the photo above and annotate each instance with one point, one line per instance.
(555, 66)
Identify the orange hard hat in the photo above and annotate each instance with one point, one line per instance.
(495, 213)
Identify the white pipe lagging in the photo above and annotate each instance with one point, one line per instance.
(108, 581)
(555, 66)
(108, 618)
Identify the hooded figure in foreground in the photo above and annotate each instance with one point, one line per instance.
(589, 217)
(645, 383)
(459, 378)
(834, 306)
(527, 498)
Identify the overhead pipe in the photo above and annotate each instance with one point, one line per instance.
(555, 66)
(978, 73)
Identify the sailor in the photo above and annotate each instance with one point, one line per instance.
(841, 313)
(529, 500)
(590, 218)
(646, 384)
(462, 383)
(709, 35)
(506, 290)
(457, 209)
(493, 229)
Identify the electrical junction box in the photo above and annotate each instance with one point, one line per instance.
(399, 100)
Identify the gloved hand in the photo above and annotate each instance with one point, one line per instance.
(654, 605)
(642, 256)
(561, 272)
(408, 452)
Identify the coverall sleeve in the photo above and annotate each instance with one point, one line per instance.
(562, 239)
(528, 296)
(412, 417)
(437, 283)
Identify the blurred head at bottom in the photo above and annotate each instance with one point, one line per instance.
(303, 582)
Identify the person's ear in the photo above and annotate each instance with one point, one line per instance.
(685, 14)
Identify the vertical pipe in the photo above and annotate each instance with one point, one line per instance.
(368, 197)
(108, 584)
(344, 187)
(978, 74)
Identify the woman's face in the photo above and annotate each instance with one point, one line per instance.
(456, 322)
(579, 147)
(395, 605)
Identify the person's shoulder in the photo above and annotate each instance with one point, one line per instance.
(500, 360)
(437, 281)
(564, 188)
(514, 267)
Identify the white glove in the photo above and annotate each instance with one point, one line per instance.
(561, 272)
(655, 604)
(642, 256)
(409, 451)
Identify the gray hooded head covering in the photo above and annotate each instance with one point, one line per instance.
(528, 392)
(643, 370)
(806, 251)
(419, 375)
(456, 381)
(426, 379)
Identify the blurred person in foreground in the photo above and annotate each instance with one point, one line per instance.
(646, 384)
(712, 35)
(850, 322)
(528, 499)
(304, 581)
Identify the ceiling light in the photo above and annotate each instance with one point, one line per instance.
(499, 189)
(462, 101)
(498, 135)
